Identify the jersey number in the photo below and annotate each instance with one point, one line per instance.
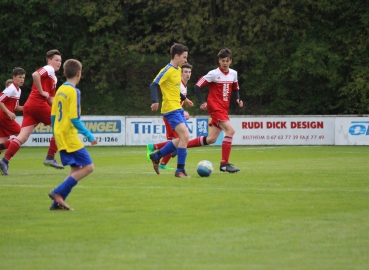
(225, 91)
(60, 106)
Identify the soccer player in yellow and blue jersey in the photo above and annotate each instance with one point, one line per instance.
(169, 81)
(66, 124)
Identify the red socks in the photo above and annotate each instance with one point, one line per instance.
(13, 148)
(226, 149)
(160, 145)
(52, 148)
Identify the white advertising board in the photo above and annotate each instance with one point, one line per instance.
(283, 130)
(109, 130)
(352, 131)
(144, 130)
(250, 130)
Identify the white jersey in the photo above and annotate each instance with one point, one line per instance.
(10, 97)
(183, 88)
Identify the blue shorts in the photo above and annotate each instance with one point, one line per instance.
(175, 117)
(75, 159)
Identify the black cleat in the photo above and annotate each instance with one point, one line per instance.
(228, 168)
(59, 207)
(155, 162)
(53, 163)
(3, 167)
(59, 200)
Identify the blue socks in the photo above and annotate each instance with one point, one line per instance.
(182, 154)
(66, 187)
(167, 149)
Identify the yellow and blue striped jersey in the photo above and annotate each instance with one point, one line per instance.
(169, 80)
(66, 106)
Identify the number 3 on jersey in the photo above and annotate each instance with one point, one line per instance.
(60, 107)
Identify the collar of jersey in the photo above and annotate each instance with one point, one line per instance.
(169, 64)
(68, 83)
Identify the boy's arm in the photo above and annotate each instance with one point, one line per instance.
(52, 123)
(37, 80)
(5, 110)
(198, 94)
(77, 123)
(238, 100)
(154, 96)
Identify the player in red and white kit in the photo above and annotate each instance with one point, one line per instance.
(221, 82)
(170, 133)
(9, 102)
(37, 110)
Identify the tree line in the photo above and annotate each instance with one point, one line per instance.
(304, 57)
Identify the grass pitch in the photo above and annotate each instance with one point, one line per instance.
(290, 207)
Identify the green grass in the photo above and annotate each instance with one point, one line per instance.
(290, 207)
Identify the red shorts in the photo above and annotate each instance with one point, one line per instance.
(216, 117)
(33, 115)
(171, 134)
(9, 128)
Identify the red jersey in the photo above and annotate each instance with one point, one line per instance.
(10, 97)
(221, 84)
(48, 83)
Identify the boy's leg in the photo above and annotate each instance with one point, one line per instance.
(50, 158)
(14, 147)
(198, 141)
(183, 135)
(227, 147)
(167, 149)
(151, 147)
(5, 145)
(81, 166)
(164, 162)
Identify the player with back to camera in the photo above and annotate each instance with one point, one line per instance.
(9, 102)
(221, 82)
(37, 110)
(66, 123)
(169, 80)
(170, 133)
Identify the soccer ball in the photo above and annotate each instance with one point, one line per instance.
(205, 168)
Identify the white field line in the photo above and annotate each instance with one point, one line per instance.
(272, 189)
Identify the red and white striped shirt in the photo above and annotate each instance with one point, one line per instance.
(10, 97)
(221, 84)
(48, 83)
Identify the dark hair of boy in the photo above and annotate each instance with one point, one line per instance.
(186, 65)
(18, 71)
(50, 54)
(224, 53)
(71, 68)
(177, 49)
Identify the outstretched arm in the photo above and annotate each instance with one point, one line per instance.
(77, 123)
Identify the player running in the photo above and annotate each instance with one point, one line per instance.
(169, 80)
(9, 102)
(37, 110)
(170, 133)
(66, 123)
